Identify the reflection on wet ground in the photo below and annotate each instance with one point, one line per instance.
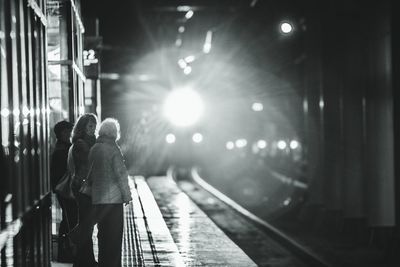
(252, 240)
(281, 203)
(178, 235)
(199, 240)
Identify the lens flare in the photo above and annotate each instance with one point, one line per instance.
(183, 107)
(286, 27)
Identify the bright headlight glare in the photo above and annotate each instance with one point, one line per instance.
(183, 107)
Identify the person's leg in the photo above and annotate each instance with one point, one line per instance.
(63, 228)
(85, 256)
(110, 235)
(100, 212)
(71, 210)
(65, 253)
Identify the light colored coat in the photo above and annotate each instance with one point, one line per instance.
(108, 173)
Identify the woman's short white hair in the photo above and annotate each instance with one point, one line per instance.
(110, 128)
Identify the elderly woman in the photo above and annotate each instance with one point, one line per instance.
(110, 190)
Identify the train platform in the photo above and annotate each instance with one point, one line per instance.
(177, 223)
(163, 227)
(184, 223)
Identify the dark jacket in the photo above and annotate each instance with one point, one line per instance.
(109, 175)
(58, 163)
(80, 154)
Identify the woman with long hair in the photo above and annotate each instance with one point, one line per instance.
(83, 138)
(110, 190)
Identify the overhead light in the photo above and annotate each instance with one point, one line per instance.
(321, 103)
(207, 43)
(253, 3)
(190, 58)
(187, 70)
(181, 29)
(257, 106)
(189, 14)
(109, 76)
(183, 8)
(178, 42)
(182, 63)
(286, 27)
(144, 77)
(207, 48)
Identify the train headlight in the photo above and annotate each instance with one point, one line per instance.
(183, 107)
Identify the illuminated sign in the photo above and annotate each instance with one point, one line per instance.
(89, 57)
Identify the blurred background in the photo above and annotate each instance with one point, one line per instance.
(288, 107)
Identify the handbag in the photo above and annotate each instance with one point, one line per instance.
(75, 235)
(86, 187)
(63, 187)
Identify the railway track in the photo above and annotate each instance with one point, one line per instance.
(263, 243)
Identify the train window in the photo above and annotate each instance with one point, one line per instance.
(64, 53)
(4, 105)
(15, 81)
(58, 92)
(23, 92)
(60, 87)
(4, 121)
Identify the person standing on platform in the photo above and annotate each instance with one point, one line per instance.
(110, 190)
(83, 138)
(58, 167)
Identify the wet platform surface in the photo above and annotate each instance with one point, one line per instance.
(147, 240)
(200, 241)
(172, 232)
(171, 223)
(178, 223)
(183, 235)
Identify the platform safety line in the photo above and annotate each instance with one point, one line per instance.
(139, 259)
(128, 244)
(133, 252)
(135, 241)
(126, 253)
(301, 250)
(149, 233)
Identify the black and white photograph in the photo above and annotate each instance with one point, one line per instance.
(210, 133)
